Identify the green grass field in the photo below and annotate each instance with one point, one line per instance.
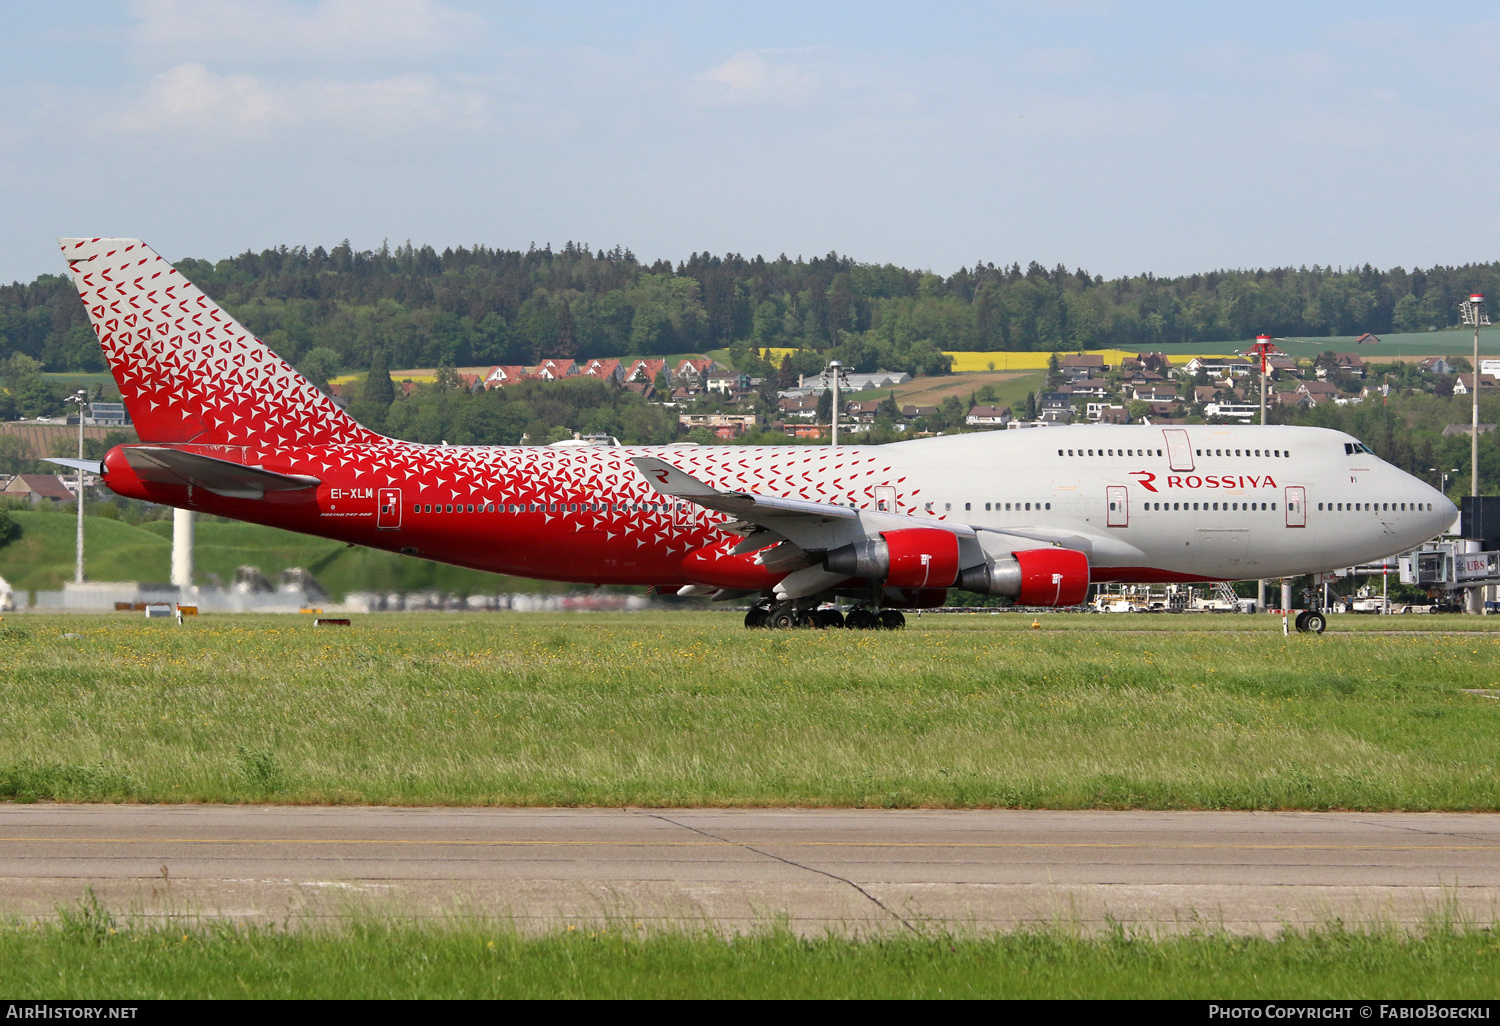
(42, 558)
(691, 709)
(88, 954)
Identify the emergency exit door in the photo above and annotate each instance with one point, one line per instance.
(389, 517)
(885, 499)
(1296, 506)
(1119, 512)
(1179, 449)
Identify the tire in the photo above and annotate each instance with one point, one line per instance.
(1301, 622)
(892, 620)
(810, 618)
(755, 619)
(781, 619)
(861, 620)
(832, 618)
(1314, 623)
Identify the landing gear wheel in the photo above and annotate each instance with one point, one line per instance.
(781, 619)
(892, 620)
(830, 618)
(861, 620)
(1311, 622)
(809, 618)
(756, 618)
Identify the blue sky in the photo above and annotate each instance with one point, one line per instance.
(1120, 137)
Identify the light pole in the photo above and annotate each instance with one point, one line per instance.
(80, 399)
(835, 368)
(1262, 350)
(1473, 312)
(1444, 487)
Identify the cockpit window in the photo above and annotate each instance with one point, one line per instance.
(1350, 448)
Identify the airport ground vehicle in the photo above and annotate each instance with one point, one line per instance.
(230, 428)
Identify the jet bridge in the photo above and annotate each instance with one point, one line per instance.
(1446, 566)
(1450, 565)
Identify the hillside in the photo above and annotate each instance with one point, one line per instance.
(42, 558)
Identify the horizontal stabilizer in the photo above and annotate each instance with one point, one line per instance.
(92, 466)
(222, 477)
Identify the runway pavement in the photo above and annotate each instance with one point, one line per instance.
(843, 870)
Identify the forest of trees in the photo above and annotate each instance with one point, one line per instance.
(329, 311)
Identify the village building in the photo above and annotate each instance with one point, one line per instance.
(38, 488)
(988, 416)
(724, 425)
(1464, 383)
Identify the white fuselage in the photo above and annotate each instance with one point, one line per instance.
(1219, 502)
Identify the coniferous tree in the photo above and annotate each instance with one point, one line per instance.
(379, 388)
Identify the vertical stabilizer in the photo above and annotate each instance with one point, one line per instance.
(187, 371)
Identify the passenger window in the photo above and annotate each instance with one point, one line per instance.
(1028, 507)
(986, 507)
(417, 508)
(1049, 505)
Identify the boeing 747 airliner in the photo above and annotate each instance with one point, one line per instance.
(228, 427)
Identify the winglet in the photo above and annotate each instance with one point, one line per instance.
(668, 480)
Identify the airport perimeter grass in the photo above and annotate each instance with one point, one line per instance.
(88, 955)
(690, 709)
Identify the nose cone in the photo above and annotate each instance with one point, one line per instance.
(1442, 515)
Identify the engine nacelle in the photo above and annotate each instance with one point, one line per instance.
(1033, 577)
(917, 557)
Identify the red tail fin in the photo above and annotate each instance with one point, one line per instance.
(187, 371)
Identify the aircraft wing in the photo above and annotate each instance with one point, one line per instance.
(801, 525)
(749, 506)
(222, 477)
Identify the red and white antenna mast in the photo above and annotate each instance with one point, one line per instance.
(1263, 349)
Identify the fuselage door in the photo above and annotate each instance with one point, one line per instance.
(684, 513)
(1179, 449)
(1296, 506)
(885, 499)
(389, 516)
(1119, 512)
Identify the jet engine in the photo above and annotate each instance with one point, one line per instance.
(1033, 577)
(917, 557)
(926, 558)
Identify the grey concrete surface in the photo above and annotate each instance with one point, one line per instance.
(845, 870)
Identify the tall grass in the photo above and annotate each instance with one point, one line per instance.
(690, 709)
(91, 954)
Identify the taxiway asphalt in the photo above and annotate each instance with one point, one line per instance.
(814, 869)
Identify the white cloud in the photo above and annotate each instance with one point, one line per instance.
(187, 30)
(190, 98)
(748, 77)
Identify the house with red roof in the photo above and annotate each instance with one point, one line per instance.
(499, 377)
(609, 370)
(645, 370)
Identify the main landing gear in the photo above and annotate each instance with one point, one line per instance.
(1310, 621)
(783, 616)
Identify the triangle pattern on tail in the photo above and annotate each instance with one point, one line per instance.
(187, 371)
